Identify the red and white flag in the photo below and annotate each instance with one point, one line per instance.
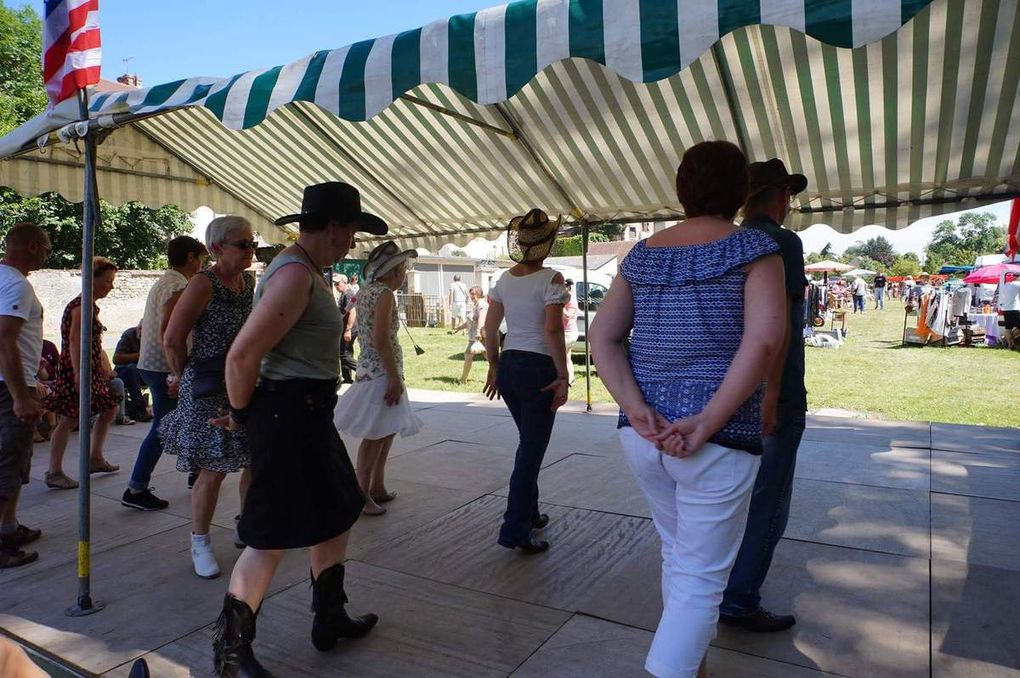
(71, 47)
(1013, 232)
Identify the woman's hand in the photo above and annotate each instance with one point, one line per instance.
(685, 437)
(559, 389)
(225, 421)
(173, 385)
(646, 421)
(394, 389)
(491, 386)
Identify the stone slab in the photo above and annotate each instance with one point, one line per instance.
(994, 475)
(974, 621)
(976, 530)
(873, 431)
(963, 438)
(878, 465)
(425, 629)
(861, 516)
(587, 647)
(152, 598)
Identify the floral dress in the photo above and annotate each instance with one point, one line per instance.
(369, 363)
(63, 398)
(186, 430)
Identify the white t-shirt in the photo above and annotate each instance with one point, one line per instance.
(17, 299)
(152, 357)
(1009, 296)
(524, 299)
(458, 292)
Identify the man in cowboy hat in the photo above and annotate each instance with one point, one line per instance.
(770, 193)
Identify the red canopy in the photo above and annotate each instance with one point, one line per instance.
(989, 275)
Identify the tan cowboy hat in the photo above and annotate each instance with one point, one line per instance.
(530, 237)
(384, 258)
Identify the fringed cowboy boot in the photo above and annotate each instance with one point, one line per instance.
(234, 632)
(331, 619)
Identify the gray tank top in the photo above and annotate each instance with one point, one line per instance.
(311, 350)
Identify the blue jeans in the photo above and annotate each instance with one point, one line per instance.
(879, 298)
(522, 376)
(152, 446)
(858, 303)
(135, 404)
(770, 509)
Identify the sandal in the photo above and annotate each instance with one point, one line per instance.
(60, 481)
(383, 498)
(103, 466)
(373, 512)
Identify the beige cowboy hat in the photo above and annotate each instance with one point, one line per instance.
(530, 237)
(384, 258)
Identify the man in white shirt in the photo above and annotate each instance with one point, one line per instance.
(458, 303)
(1009, 304)
(21, 338)
(858, 288)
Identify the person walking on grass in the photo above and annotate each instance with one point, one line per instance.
(186, 256)
(63, 399)
(26, 247)
(376, 407)
(282, 373)
(457, 299)
(858, 289)
(211, 310)
(475, 326)
(880, 283)
(529, 373)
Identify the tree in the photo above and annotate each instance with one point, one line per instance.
(877, 248)
(906, 264)
(22, 94)
(826, 251)
(961, 243)
(133, 235)
(571, 245)
(814, 258)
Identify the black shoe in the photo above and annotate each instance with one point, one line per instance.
(759, 621)
(540, 522)
(12, 556)
(529, 547)
(143, 501)
(232, 654)
(139, 669)
(192, 477)
(331, 619)
(23, 535)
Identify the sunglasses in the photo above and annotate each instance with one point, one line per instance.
(242, 244)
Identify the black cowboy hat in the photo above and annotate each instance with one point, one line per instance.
(335, 200)
(773, 173)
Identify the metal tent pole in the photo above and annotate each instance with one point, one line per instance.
(85, 605)
(587, 319)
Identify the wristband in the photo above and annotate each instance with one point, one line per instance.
(240, 415)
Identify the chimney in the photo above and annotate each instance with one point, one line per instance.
(130, 80)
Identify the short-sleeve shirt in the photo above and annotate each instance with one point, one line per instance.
(130, 341)
(458, 292)
(792, 392)
(524, 299)
(879, 281)
(18, 300)
(151, 356)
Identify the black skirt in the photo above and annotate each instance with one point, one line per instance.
(303, 488)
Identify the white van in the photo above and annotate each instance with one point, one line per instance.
(598, 286)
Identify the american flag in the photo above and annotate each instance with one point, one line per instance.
(71, 47)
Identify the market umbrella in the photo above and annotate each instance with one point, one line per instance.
(826, 267)
(860, 271)
(989, 275)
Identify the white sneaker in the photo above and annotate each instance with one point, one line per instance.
(203, 558)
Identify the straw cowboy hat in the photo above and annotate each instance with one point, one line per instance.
(335, 200)
(384, 258)
(530, 237)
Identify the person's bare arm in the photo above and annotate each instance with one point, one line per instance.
(74, 341)
(764, 329)
(26, 405)
(193, 301)
(492, 321)
(483, 312)
(168, 309)
(283, 300)
(381, 340)
(352, 318)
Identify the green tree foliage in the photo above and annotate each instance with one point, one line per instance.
(906, 264)
(571, 246)
(959, 244)
(133, 235)
(22, 94)
(877, 248)
(814, 258)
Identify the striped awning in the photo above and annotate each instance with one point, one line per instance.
(893, 109)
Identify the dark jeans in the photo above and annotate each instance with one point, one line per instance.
(129, 374)
(522, 376)
(879, 298)
(348, 365)
(770, 509)
(858, 303)
(152, 446)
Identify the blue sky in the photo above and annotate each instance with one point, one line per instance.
(169, 41)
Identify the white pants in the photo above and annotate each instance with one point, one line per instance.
(699, 506)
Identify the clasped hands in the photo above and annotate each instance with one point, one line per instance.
(679, 439)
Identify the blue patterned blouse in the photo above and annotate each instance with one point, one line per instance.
(688, 323)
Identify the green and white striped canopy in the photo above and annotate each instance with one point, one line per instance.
(893, 109)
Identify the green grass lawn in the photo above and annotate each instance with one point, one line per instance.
(870, 374)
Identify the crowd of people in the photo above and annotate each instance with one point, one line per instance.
(244, 379)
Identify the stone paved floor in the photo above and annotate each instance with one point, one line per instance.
(900, 559)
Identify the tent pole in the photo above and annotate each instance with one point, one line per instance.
(90, 209)
(587, 320)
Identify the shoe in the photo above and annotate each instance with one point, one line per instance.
(140, 669)
(232, 636)
(540, 522)
(331, 619)
(22, 536)
(192, 477)
(202, 557)
(12, 556)
(759, 621)
(143, 501)
(530, 547)
(103, 466)
(238, 542)
(143, 417)
(60, 481)
(123, 420)
(377, 511)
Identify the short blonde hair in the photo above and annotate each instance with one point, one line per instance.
(220, 228)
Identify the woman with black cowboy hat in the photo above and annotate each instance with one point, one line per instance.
(281, 375)
(376, 407)
(530, 372)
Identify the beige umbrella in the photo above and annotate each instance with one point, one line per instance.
(826, 267)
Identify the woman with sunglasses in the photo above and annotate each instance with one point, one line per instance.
(211, 310)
